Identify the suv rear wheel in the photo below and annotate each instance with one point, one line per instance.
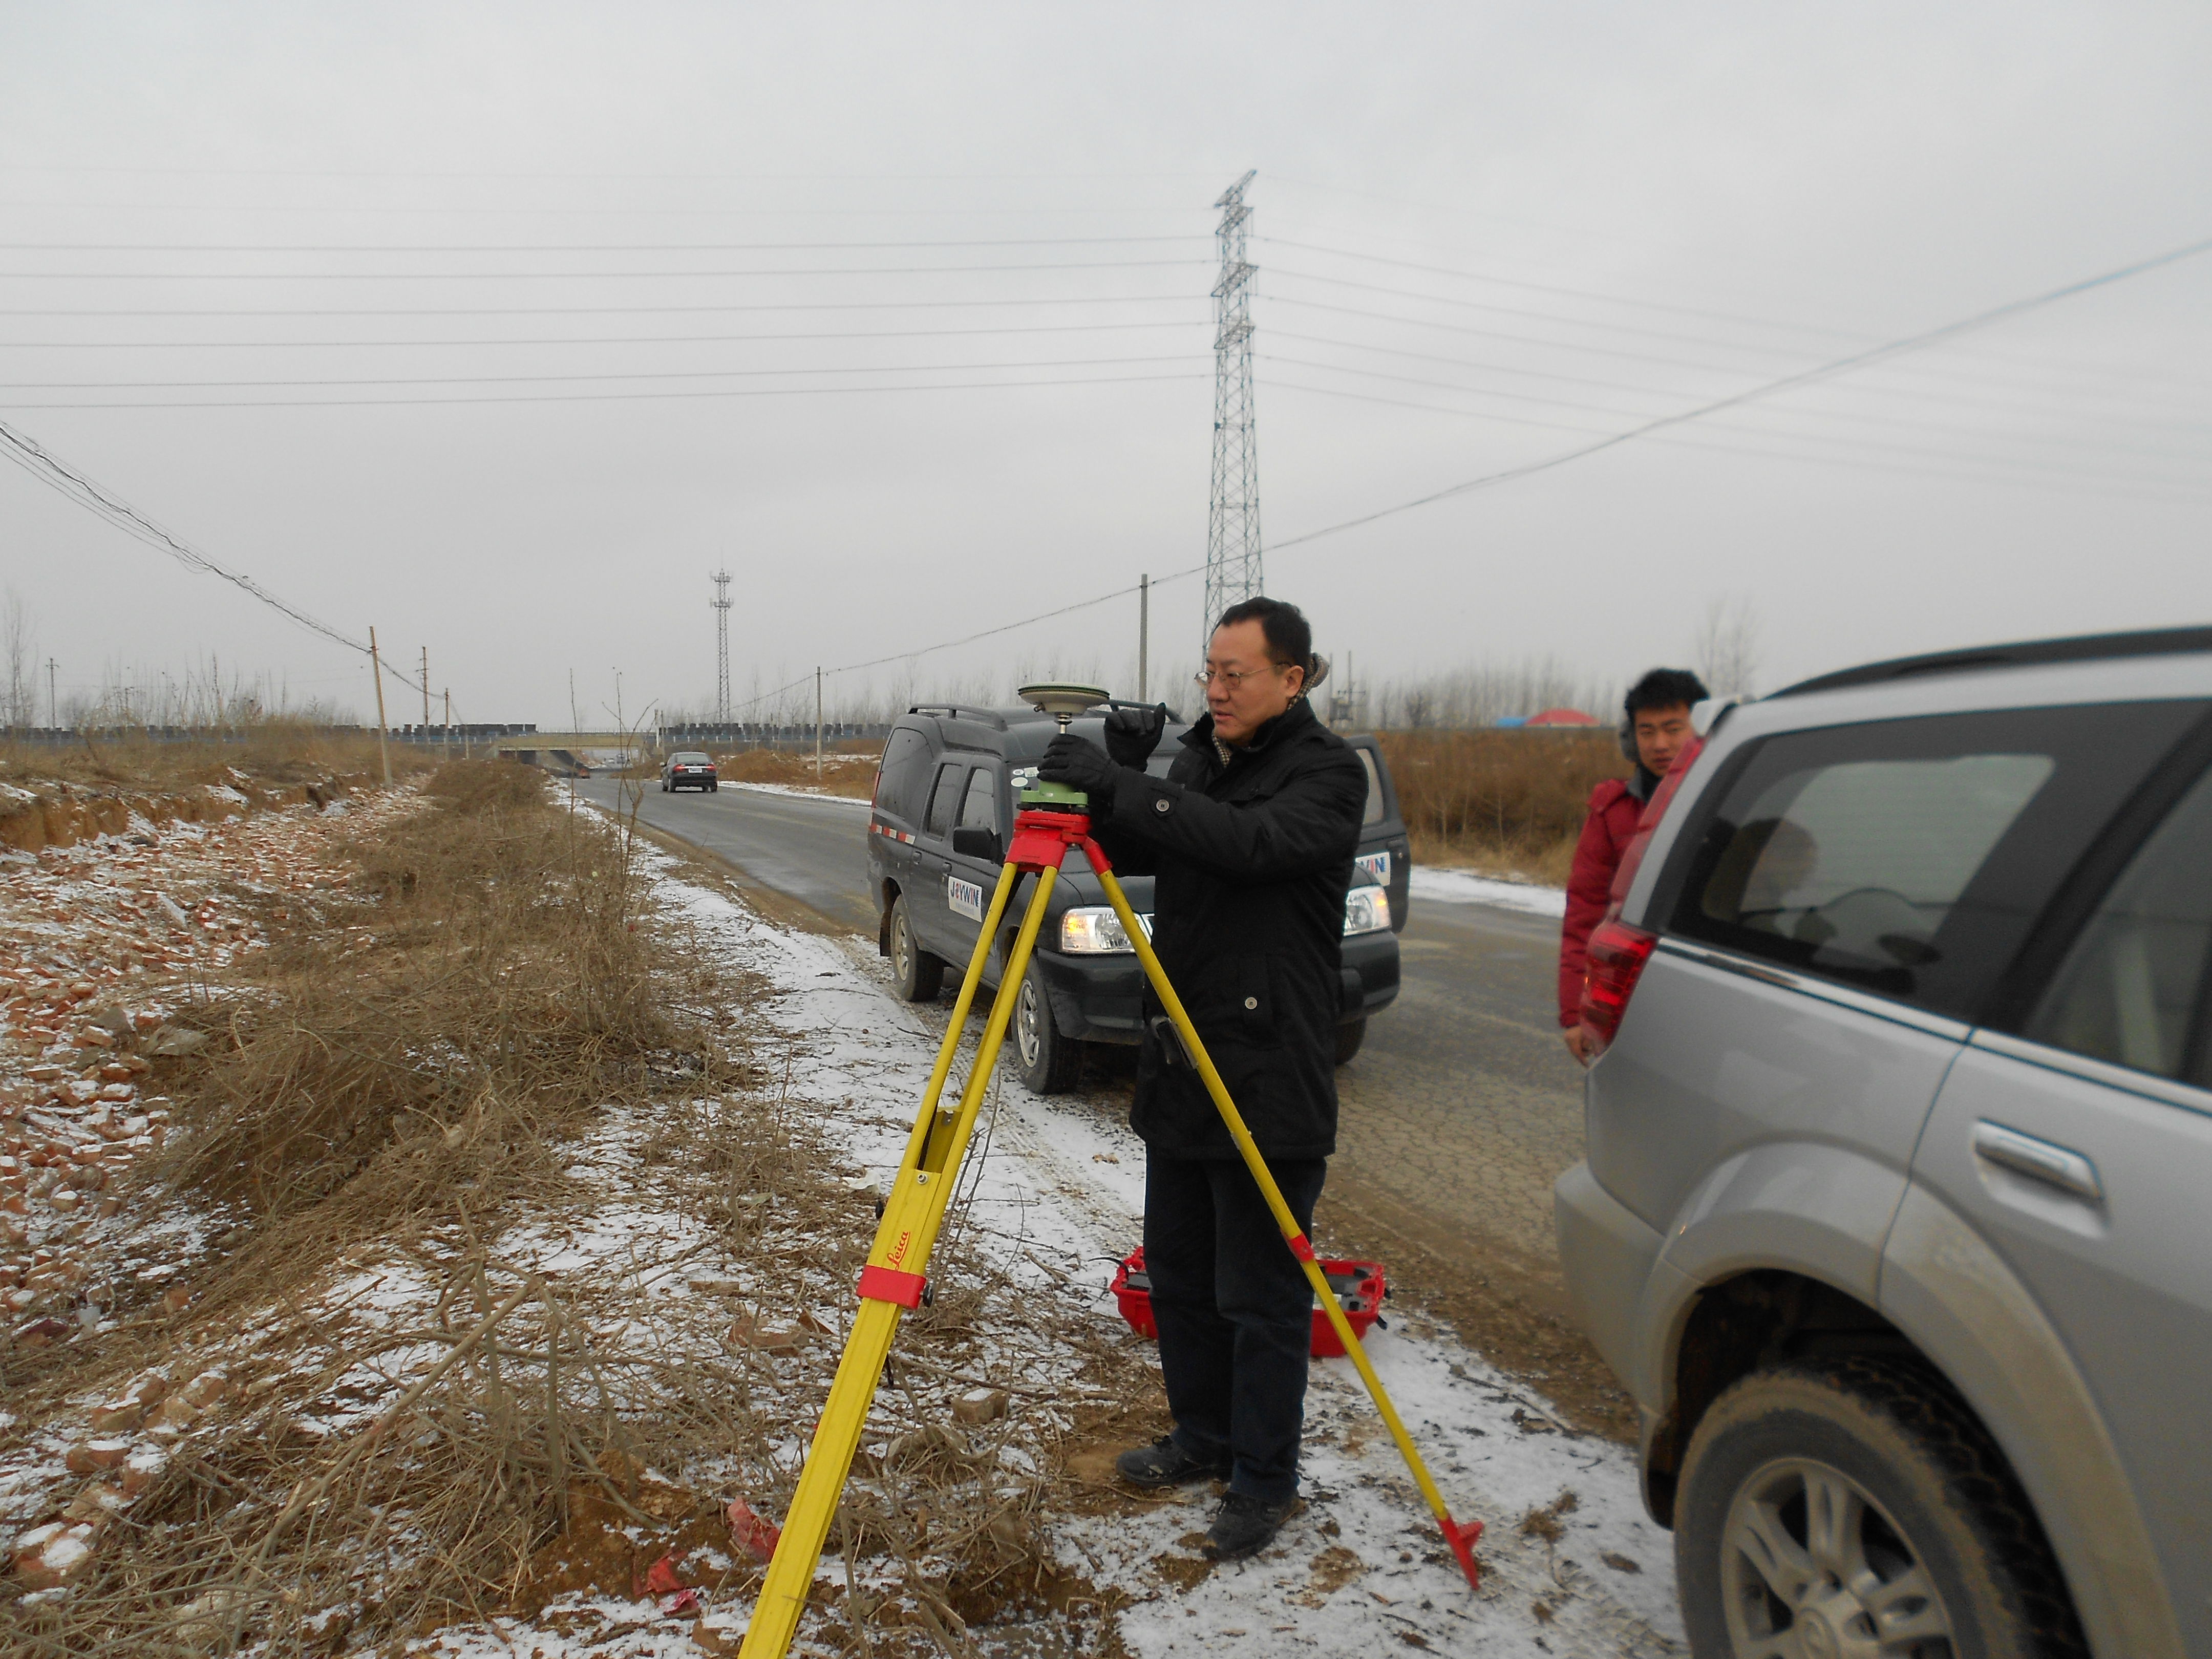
(1048, 1062)
(916, 975)
(1855, 1507)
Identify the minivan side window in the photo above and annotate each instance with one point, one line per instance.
(2132, 989)
(979, 808)
(1912, 857)
(902, 774)
(1373, 813)
(944, 799)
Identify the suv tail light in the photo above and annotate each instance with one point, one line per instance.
(1617, 955)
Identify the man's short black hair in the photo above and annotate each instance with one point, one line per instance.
(1289, 635)
(1665, 688)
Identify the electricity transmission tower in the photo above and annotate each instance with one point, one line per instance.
(1232, 532)
(721, 602)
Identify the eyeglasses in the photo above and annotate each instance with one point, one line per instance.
(1232, 678)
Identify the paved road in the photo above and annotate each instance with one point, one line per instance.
(1457, 1116)
(1463, 1105)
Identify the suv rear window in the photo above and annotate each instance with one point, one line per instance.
(2133, 989)
(1912, 857)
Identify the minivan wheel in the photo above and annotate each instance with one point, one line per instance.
(1349, 1036)
(1855, 1507)
(916, 975)
(1047, 1061)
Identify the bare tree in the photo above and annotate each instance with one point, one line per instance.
(1419, 706)
(21, 652)
(1726, 647)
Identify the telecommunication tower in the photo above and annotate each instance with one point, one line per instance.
(721, 604)
(1232, 534)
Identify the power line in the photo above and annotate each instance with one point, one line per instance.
(569, 276)
(521, 379)
(1804, 377)
(2071, 441)
(598, 311)
(612, 397)
(57, 475)
(1917, 396)
(581, 340)
(2038, 478)
(1565, 292)
(1534, 316)
(567, 247)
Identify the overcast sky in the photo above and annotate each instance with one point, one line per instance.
(500, 327)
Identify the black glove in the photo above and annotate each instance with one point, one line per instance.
(1132, 734)
(1079, 762)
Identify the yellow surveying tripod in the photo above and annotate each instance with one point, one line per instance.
(1053, 820)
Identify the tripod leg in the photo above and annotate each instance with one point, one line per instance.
(1461, 1538)
(925, 1120)
(912, 1213)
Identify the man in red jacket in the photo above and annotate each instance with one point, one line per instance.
(1656, 727)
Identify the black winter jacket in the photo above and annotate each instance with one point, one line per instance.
(1251, 862)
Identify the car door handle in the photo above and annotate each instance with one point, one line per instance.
(2038, 1160)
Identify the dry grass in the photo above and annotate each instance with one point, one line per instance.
(397, 1074)
(852, 776)
(1506, 802)
(272, 751)
(406, 1076)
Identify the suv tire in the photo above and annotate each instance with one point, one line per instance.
(916, 975)
(1936, 1537)
(1049, 1063)
(1349, 1036)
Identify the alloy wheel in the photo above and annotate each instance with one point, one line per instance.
(1813, 1568)
(1027, 1037)
(901, 948)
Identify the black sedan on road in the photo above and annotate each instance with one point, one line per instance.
(688, 771)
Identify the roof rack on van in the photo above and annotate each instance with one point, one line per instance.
(2085, 647)
(989, 717)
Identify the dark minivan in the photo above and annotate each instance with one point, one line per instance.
(946, 768)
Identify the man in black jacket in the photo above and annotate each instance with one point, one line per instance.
(1250, 839)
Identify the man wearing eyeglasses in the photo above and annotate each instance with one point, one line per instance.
(1250, 839)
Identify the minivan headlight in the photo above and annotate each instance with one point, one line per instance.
(1093, 930)
(1367, 910)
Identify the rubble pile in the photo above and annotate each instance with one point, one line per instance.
(103, 944)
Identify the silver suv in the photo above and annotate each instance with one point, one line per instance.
(1897, 1219)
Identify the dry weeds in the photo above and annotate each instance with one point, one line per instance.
(1506, 802)
(397, 1091)
(274, 752)
(852, 776)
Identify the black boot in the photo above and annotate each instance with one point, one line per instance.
(1245, 1526)
(1166, 1463)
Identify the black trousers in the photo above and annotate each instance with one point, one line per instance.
(1235, 1313)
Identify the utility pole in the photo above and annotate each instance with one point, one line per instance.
(445, 731)
(1232, 530)
(721, 602)
(818, 727)
(53, 698)
(1144, 632)
(376, 671)
(426, 691)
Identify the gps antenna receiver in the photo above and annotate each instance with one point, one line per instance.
(1063, 703)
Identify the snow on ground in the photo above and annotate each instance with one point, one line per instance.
(1362, 1568)
(805, 791)
(1570, 1565)
(1465, 887)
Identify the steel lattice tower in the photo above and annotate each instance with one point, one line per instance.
(1232, 532)
(721, 602)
